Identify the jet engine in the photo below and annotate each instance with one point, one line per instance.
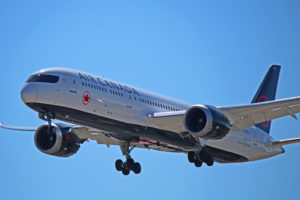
(56, 140)
(206, 122)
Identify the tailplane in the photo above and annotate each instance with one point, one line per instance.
(267, 92)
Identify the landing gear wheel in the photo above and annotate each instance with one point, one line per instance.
(130, 163)
(119, 165)
(137, 168)
(191, 156)
(210, 161)
(204, 156)
(125, 171)
(198, 163)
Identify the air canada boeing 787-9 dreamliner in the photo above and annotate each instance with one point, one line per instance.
(113, 113)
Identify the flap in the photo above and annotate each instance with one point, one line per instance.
(100, 136)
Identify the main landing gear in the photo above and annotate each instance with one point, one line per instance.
(129, 164)
(199, 157)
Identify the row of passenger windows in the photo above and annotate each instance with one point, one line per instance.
(121, 95)
(96, 87)
(158, 105)
(116, 93)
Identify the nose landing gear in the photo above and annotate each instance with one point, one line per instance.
(48, 116)
(129, 164)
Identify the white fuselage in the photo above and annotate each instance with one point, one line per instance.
(109, 99)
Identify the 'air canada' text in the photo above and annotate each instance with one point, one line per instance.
(106, 83)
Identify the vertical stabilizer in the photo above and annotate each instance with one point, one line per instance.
(267, 92)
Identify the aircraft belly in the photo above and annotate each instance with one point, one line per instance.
(166, 141)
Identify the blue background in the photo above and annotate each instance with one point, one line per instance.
(210, 52)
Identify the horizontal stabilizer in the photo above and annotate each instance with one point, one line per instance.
(18, 128)
(285, 142)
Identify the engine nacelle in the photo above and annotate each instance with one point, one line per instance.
(206, 122)
(58, 140)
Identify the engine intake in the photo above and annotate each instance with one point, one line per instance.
(206, 122)
(58, 140)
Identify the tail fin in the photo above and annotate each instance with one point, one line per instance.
(267, 92)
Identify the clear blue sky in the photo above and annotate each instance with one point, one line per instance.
(212, 52)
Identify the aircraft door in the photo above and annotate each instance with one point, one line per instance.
(72, 84)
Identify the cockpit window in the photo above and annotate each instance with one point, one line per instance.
(43, 78)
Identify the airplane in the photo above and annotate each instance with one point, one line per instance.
(112, 113)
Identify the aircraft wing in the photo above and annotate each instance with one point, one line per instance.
(18, 128)
(284, 142)
(100, 136)
(244, 116)
(83, 133)
(241, 116)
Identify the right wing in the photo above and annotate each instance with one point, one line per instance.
(18, 128)
(83, 133)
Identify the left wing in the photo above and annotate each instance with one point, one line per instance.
(242, 116)
(284, 142)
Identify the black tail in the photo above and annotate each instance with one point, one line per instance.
(267, 92)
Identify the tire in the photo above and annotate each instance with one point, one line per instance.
(125, 171)
(191, 156)
(210, 161)
(119, 165)
(137, 168)
(130, 163)
(204, 156)
(198, 163)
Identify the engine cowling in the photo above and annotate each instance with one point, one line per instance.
(206, 122)
(58, 140)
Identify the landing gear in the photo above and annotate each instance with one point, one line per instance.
(129, 164)
(199, 157)
(48, 116)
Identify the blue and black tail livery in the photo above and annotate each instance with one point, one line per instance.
(267, 92)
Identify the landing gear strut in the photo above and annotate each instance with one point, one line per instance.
(199, 157)
(48, 117)
(129, 164)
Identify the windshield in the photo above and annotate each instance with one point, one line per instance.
(43, 78)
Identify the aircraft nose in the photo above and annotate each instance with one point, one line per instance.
(28, 93)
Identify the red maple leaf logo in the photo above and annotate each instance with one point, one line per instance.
(86, 98)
